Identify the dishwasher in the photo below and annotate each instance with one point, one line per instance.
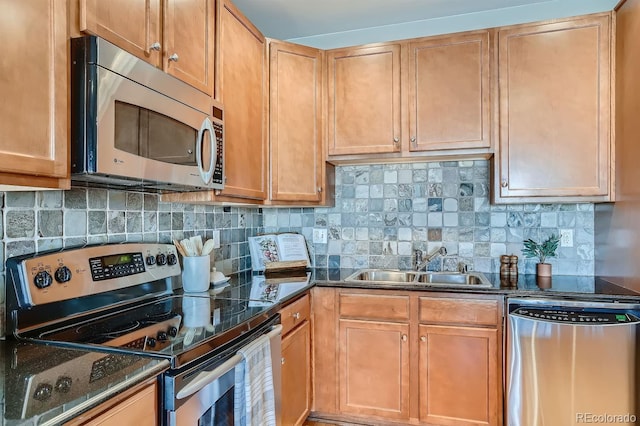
(571, 362)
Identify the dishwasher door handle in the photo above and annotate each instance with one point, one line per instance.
(206, 377)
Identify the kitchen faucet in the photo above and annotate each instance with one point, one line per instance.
(421, 263)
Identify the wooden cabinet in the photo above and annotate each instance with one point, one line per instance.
(34, 81)
(295, 119)
(242, 88)
(411, 99)
(177, 36)
(449, 88)
(296, 362)
(364, 99)
(136, 406)
(555, 113)
(405, 357)
(459, 361)
(373, 355)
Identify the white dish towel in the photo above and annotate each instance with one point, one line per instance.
(254, 400)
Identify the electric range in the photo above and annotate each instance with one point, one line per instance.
(127, 298)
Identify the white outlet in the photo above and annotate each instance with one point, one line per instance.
(566, 238)
(216, 238)
(319, 236)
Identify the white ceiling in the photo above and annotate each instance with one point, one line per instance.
(306, 19)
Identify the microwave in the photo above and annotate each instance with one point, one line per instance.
(135, 127)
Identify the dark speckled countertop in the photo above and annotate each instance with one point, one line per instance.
(47, 385)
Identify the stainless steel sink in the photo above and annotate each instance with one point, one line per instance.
(382, 275)
(441, 279)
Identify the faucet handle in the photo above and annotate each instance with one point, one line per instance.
(463, 267)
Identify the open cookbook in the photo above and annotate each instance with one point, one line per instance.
(278, 251)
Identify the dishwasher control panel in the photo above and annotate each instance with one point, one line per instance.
(576, 316)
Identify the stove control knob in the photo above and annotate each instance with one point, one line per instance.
(63, 384)
(63, 274)
(161, 259)
(151, 342)
(42, 279)
(172, 259)
(162, 336)
(172, 331)
(151, 260)
(43, 392)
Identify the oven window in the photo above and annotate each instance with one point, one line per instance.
(142, 132)
(221, 414)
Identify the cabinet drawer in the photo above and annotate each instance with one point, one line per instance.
(295, 313)
(459, 311)
(374, 306)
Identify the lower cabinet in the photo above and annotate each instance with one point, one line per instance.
(406, 357)
(136, 406)
(296, 362)
(374, 369)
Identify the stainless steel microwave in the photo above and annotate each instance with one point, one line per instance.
(135, 127)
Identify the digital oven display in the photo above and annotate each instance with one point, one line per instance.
(116, 266)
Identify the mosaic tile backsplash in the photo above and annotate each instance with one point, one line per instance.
(384, 212)
(39, 221)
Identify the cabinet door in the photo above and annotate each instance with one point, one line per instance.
(133, 25)
(34, 84)
(554, 82)
(296, 375)
(364, 100)
(459, 375)
(189, 42)
(138, 406)
(295, 117)
(449, 92)
(374, 369)
(242, 90)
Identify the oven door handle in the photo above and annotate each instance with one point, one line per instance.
(207, 377)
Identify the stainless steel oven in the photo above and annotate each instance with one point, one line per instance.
(124, 299)
(135, 127)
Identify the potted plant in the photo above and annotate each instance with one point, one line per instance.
(542, 251)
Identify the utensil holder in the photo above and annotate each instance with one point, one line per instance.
(195, 273)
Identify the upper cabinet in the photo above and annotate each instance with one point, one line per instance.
(34, 81)
(411, 99)
(242, 88)
(295, 118)
(449, 92)
(179, 37)
(554, 85)
(364, 99)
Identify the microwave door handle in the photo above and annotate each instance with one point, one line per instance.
(213, 158)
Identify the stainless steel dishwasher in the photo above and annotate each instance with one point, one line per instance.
(571, 363)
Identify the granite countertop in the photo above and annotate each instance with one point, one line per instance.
(560, 286)
(48, 385)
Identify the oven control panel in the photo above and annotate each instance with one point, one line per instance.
(91, 270)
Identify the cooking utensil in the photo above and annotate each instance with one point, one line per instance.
(208, 247)
(179, 248)
(197, 244)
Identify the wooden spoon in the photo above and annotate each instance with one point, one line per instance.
(208, 247)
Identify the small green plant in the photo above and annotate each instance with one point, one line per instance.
(541, 251)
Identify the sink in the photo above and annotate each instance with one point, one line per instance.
(475, 279)
(444, 279)
(382, 275)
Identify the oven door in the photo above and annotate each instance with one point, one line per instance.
(205, 394)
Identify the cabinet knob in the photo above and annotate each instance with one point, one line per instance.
(504, 183)
(155, 46)
(396, 140)
(404, 337)
(413, 140)
(296, 315)
(423, 338)
(282, 361)
(174, 57)
(319, 189)
(189, 151)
